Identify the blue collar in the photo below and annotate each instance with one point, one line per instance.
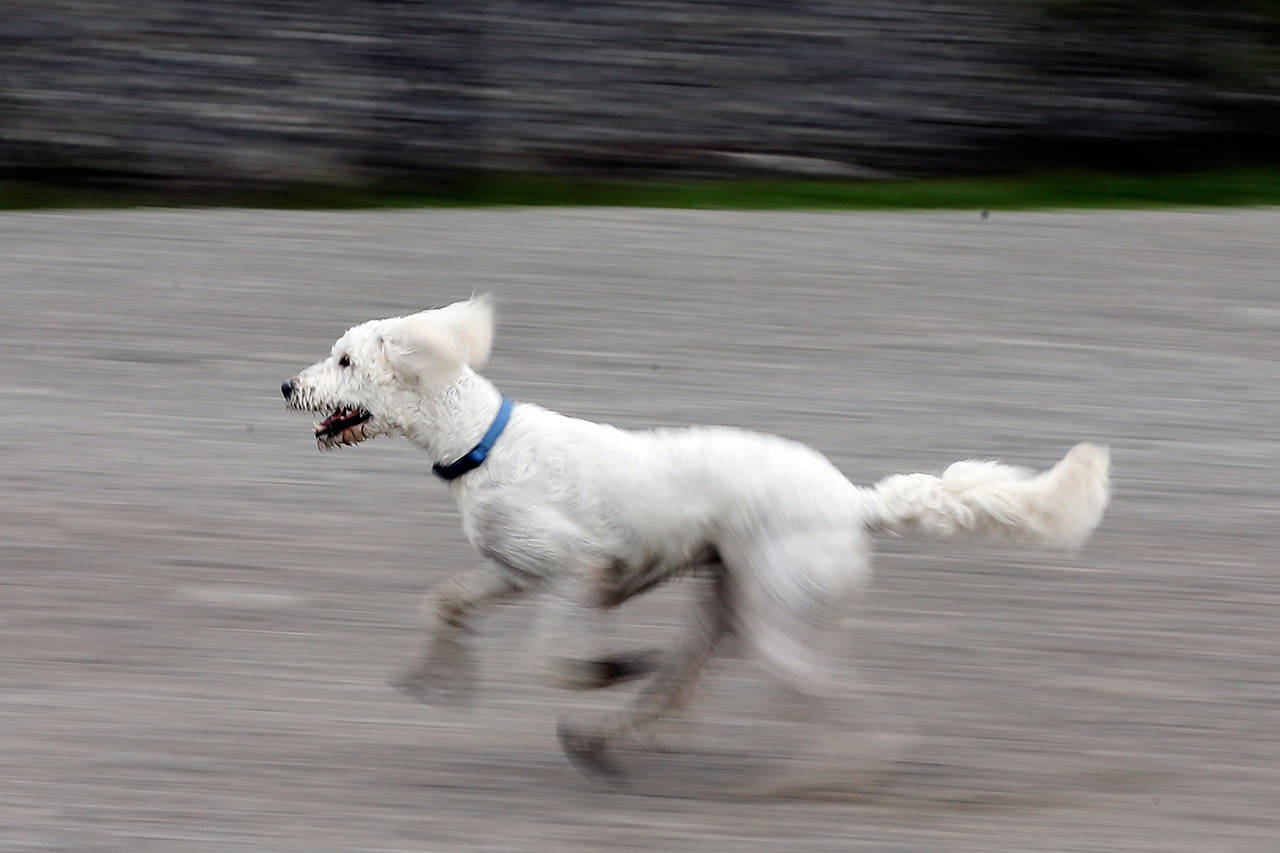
(480, 452)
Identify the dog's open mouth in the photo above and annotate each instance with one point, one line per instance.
(344, 426)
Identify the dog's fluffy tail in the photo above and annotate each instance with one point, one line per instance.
(1058, 507)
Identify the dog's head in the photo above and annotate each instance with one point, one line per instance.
(379, 374)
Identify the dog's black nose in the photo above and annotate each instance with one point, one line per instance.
(286, 388)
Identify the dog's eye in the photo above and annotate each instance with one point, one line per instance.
(345, 361)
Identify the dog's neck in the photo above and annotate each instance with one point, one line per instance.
(452, 419)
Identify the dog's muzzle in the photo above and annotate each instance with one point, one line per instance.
(346, 424)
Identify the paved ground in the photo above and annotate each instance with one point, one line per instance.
(198, 612)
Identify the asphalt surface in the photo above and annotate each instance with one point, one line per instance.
(199, 613)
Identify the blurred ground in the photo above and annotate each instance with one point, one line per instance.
(198, 613)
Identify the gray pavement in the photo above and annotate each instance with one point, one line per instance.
(199, 612)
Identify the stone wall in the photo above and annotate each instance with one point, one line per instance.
(227, 91)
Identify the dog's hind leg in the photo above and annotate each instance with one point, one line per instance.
(605, 671)
(575, 644)
(847, 740)
(588, 746)
(845, 743)
(444, 673)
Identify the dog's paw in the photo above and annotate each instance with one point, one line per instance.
(439, 680)
(597, 673)
(589, 752)
(430, 689)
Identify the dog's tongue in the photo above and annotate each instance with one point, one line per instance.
(331, 420)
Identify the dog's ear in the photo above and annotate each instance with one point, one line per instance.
(435, 344)
(400, 358)
(470, 326)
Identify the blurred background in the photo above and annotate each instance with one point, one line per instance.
(212, 94)
(199, 614)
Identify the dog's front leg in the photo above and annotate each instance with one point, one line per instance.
(444, 673)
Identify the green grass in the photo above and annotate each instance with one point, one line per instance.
(1047, 191)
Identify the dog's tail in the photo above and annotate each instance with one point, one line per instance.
(1058, 507)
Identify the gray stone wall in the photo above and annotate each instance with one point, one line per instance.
(226, 91)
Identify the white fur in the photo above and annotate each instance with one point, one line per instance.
(623, 510)
(985, 498)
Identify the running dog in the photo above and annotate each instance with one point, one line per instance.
(782, 536)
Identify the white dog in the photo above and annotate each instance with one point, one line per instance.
(781, 533)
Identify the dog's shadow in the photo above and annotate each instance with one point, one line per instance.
(904, 780)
